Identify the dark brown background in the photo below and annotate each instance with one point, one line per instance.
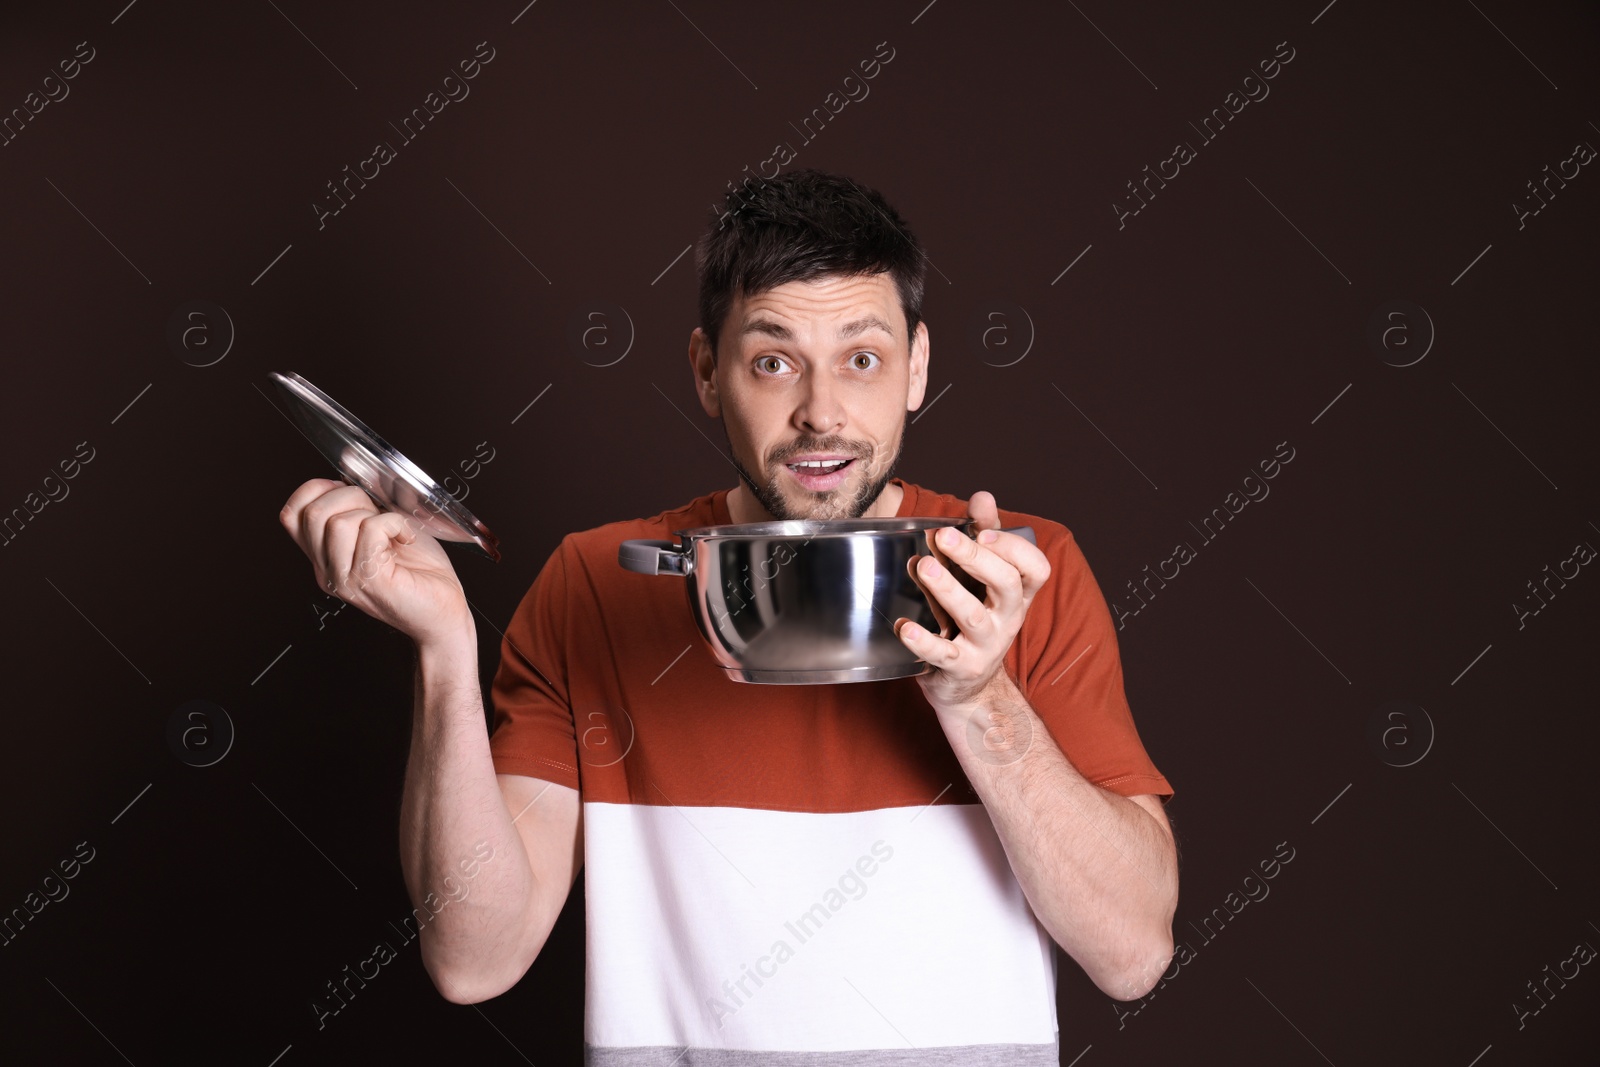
(1197, 338)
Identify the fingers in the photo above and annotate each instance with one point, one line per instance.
(970, 614)
(289, 515)
(1008, 564)
(984, 511)
(928, 646)
(307, 516)
(360, 545)
(913, 565)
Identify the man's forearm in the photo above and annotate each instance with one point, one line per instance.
(1099, 871)
(452, 816)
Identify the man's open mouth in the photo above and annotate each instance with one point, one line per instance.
(820, 475)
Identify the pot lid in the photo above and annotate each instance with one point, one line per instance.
(392, 481)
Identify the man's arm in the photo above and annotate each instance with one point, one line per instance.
(1100, 870)
(488, 860)
(486, 929)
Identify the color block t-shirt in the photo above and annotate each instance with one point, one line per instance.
(775, 874)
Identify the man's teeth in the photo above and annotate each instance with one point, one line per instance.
(820, 463)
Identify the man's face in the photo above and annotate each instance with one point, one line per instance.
(813, 381)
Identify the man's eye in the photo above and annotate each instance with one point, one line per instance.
(865, 360)
(766, 363)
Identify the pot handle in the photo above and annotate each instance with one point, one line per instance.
(1025, 532)
(654, 557)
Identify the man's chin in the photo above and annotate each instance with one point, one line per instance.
(844, 501)
(834, 504)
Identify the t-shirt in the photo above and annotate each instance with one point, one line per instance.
(794, 870)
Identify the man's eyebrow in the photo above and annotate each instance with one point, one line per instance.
(778, 330)
(862, 325)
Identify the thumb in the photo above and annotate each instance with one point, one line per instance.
(985, 513)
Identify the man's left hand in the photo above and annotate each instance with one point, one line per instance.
(967, 667)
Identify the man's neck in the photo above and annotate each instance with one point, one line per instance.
(743, 507)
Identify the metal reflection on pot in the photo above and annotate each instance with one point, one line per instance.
(809, 601)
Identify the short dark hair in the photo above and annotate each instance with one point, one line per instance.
(798, 226)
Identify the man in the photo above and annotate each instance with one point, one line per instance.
(787, 871)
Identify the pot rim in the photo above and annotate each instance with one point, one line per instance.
(825, 528)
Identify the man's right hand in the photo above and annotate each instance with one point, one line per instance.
(380, 561)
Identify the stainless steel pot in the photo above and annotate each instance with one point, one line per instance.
(807, 601)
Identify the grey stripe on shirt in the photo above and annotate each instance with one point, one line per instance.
(940, 1056)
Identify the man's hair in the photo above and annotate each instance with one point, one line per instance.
(799, 226)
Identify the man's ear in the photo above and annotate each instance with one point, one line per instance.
(918, 385)
(704, 365)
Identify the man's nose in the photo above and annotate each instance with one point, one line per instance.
(821, 410)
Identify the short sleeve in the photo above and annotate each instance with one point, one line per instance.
(533, 731)
(1071, 673)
